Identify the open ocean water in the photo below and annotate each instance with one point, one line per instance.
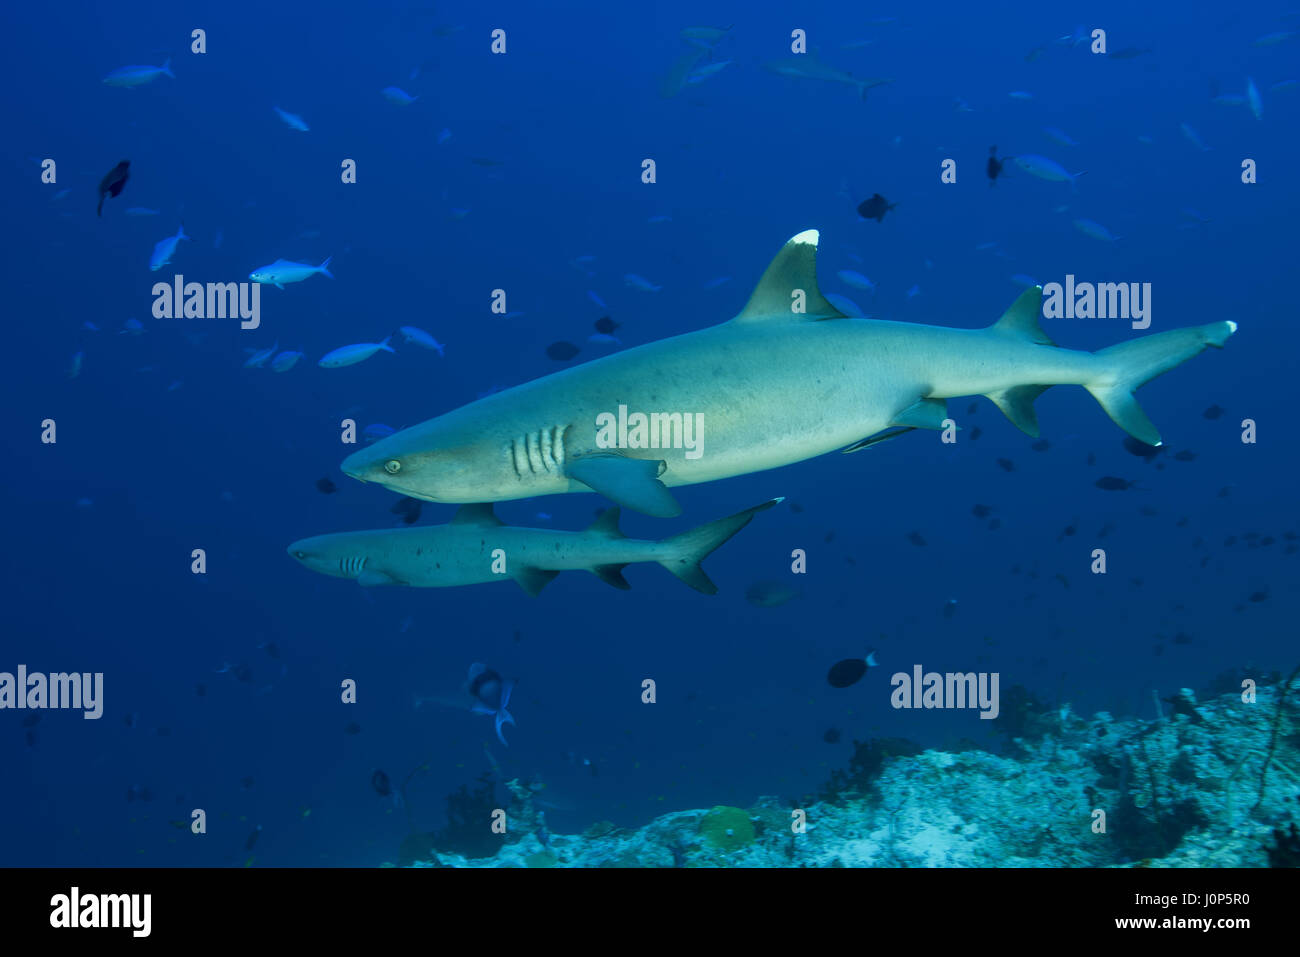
(533, 187)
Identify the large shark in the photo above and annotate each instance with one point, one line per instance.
(477, 547)
(789, 378)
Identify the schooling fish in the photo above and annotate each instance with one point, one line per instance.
(1045, 168)
(994, 166)
(395, 95)
(164, 249)
(129, 76)
(282, 271)
(421, 338)
(285, 361)
(351, 355)
(112, 183)
(1095, 230)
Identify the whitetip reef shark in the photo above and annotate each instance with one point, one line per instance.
(465, 552)
(789, 378)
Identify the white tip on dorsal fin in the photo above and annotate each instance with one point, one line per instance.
(790, 283)
(477, 514)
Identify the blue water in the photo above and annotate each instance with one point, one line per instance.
(226, 459)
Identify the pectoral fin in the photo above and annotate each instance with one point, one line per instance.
(925, 414)
(633, 483)
(369, 578)
(876, 439)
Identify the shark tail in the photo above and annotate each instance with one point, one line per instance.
(324, 268)
(1130, 365)
(691, 548)
(167, 68)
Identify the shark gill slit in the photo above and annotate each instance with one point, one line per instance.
(538, 453)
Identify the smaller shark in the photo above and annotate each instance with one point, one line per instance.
(478, 547)
(808, 66)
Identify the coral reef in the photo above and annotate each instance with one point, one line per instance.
(1209, 784)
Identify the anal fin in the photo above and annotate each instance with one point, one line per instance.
(612, 575)
(1017, 404)
(924, 414)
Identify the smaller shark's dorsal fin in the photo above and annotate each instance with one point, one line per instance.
(1021, 320)
(795, 267)
(606, 524)
(477, 514)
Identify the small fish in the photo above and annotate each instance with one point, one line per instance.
(716, 282)
(129, 76)
(1252, 97)
(132, 327)
(382, 786)
(492, 694)
(292, 120)
(1112, 484)
(1042, 445)
(961, 106)
(1283, 85)
(770, 594)
(285, 361)
(1229, 99)
(164, 249)
(1020, 95)
(702, 73)
(282, 271)
(1213, 412)
(1269, 39)
(112, 183)
(856, 280)
(600, 303)
(605, 325)
(1186, 455)
(1044, 168)
(444, 136)
(561, 351)
(399, 96)
(408, 508)
(875, 207)
(351, 355)
(601, 339)
(74, 365)
(634, 281)
(845, 305)
(421, 338)
(1007, 465)
(848, 672)
(260, 356)
(1058, 136)
(916, 539)
(914, 291)
(1193, 137)
(1095, 230)
(993, 169)
(981, 511)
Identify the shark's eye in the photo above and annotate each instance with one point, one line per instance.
(300, 555)
(392, 466)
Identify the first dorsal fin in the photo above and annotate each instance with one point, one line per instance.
(606, 524)
(479, 513)
(795, 267)
(1021, 320)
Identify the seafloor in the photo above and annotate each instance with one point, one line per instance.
(1209, 783)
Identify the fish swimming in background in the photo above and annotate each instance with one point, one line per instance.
(477, 547)
(351, 355)
(399, 96)
(421, 338)
(142, 211)
(112, 183)
(875, 207)
(1056, 135)
(282, 271)
(408, 508)
(746, 382)
(285, 361)
(770, 594)
(164, 249)
(1253, 98)
(856, 280)
(848, 672)
(1045, 168)
(1095, 230)
(292, 120)
(131, 76)
(993, 169)
(1194, 137)
(632, 280)
(259, 357)
(808, 66)
(493, 696)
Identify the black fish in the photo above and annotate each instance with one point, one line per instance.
(981, 511)
(1186, 455)
(849, 671)
(975, 433)
(1007, 465)
(605, 324)
(1213, 412)
(1042, 445)
(994, 167)
(1112, 484)
(379, 781)
(561, 351)
(326, 487)
(1141, 449)
(352, 728)
(875, 208)
(112, 183)
(408, 508)
(916, 539)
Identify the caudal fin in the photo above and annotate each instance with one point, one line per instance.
(167, 68)
(691, 548)
(1130, 365)
(324, 267)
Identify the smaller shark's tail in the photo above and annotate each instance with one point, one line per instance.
(691, 548)
(1135, 363)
